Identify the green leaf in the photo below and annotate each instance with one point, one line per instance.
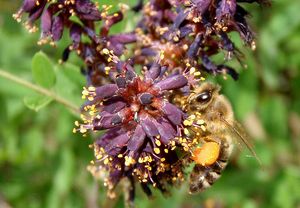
(42, 70)
(36, 102)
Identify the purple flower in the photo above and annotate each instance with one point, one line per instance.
(193, 31)
(142, 126)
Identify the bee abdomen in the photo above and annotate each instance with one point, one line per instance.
(202, 177)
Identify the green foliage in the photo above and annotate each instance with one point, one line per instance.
(36, 102)
(42, 70)
(43, 164)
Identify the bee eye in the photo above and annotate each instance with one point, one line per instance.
(204, 97)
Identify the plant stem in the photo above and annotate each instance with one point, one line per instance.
(40, 90)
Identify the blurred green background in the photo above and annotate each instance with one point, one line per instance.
(43, 164)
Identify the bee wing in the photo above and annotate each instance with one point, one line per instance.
(242, 137)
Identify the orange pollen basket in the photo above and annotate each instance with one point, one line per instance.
(207, 154)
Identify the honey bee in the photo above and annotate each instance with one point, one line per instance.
(220, 131)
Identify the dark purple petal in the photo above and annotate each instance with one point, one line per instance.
(121, 82)
(153, 72)
(130, 74)
(36, 12)
(117, 48)
(57, 28)
(87, 10)
(91, 33)
(201, 5)
(137, 139)
(166, 131)
(46, 22)
(109, 135)
(75, 34)
(173, 82)
(226, 8)
(28, 5)
(227, 43)
(105, 122)
(115, 176)
(180, 18)
(208, 64)
(106, 91)
(149, 127)
(174, 114)
(148, 52)
(123, 38)
(185, 30)
(117, 142)
(193, 50)
(116, 120)
(114, 105)
(241, 25)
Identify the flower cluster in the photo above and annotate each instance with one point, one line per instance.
(191, 32)
(137, 101)
(57, 15)
(142, 126)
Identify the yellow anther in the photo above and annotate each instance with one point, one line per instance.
(156, 150)
(106, 161)
(157, 142)
(197, 73)
(186, 131)
(200, 122)
(105, 51)
(91, 88)
(203, 128)
(82, 129)
(192, 70)
(187, 122)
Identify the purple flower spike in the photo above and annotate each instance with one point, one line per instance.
(173, 82)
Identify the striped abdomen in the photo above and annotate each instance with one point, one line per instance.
(202, 177)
